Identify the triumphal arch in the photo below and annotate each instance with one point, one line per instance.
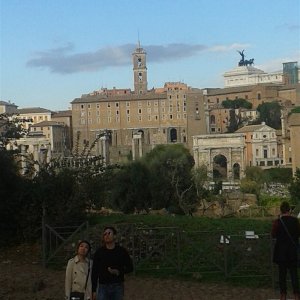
(223, 155)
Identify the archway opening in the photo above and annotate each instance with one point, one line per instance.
(219, 167)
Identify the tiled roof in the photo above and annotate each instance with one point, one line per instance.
(32, 110)
(251, 128)
(104, 98)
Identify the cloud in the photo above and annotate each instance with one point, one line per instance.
(226, 48)
(275, 65)
(63, 61)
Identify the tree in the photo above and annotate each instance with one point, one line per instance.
(237, 103)
(270, 113)
(130, 190)
(10, 128)
(170, 176)
(233, 121)
(13, 198)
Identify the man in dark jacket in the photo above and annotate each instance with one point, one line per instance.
(110, 263)
(286, 231)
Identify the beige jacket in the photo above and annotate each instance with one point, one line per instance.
(76, 274)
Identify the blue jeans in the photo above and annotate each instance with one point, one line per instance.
(111, 291)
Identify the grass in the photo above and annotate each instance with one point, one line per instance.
(229, 225)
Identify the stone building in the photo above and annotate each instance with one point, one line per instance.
(286, 95)
(294, 127)
(138, 120)
(7, 107)
(261, 146)
(56, 133)
(65, 118)
(33, 115)
(224, 154)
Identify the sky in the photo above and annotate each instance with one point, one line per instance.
(53, 51)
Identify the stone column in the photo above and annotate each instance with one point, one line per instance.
(23, 159)
(104, 148)
(140, 146)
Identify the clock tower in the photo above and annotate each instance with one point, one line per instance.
(139, 70)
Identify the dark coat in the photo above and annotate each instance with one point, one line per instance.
(285, 249)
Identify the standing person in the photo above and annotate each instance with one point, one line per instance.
(286, 231)
(78, 283)
(110, 263)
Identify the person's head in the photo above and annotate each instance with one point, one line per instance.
(83, 248)
(285, 207)
(109, 235)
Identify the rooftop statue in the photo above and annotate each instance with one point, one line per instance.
(243, 61)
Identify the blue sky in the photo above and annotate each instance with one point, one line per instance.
(53, 51)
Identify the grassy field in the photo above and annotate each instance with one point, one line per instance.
(229, 225)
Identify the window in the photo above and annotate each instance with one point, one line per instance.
(98, 106)
(171, 117)
(108, 104)
(90, 121)
(89, 106)
(258, 96)
(140, 118)
(256, 152)
(140, 110)
(82, 106)
(128, 119)
(128, 111)
(117, 104)
(98, 120)
(127, 103)
(82, 121)
(149, 117)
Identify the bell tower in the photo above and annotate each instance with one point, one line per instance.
(139, 70)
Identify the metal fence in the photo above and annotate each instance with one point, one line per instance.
(171, 250)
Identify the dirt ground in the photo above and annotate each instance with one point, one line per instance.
(23, 277)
